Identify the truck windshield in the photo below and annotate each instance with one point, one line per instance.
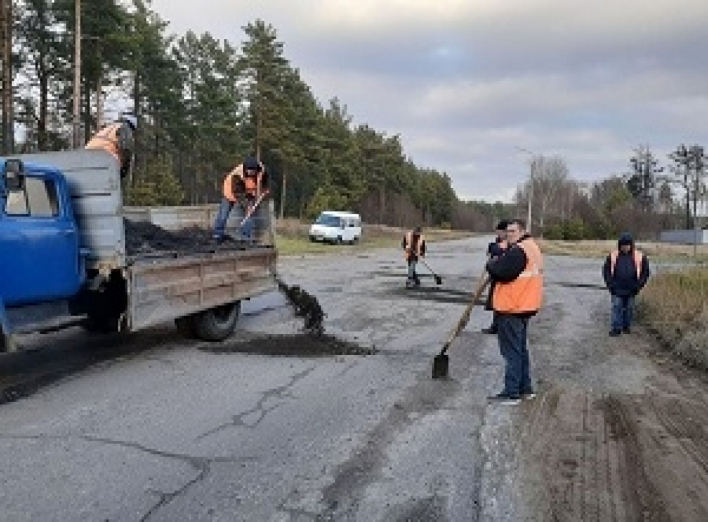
(327, 220)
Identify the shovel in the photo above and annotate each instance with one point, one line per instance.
(438, 279)
(442, 361)
(253, 208)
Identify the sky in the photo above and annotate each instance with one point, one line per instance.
(474, 88)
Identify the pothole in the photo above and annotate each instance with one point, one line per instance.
(297, 345)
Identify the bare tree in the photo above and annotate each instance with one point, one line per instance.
(690, 169)
(550, 180)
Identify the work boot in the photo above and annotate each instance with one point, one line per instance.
(626, 330)
(615, 333)
(528, 395)
(505, 399)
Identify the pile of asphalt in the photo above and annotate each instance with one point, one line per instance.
(142, 237)
(297, 345)
(306, 306)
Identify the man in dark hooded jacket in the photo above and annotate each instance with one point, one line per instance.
(626, 271)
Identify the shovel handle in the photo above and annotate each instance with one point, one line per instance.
(252, 209)
(466, 314)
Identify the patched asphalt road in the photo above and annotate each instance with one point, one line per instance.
(275, 426)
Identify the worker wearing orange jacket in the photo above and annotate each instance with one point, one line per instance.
(245, 185)
(414, 246)
(626, 271)
(518, 294)
(118, 140)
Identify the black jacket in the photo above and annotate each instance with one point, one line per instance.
(495, 250)
(509, 266)
(624, 282)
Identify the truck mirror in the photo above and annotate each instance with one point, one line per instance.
(14, 174)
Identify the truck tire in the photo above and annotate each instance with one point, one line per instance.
(218, 323)
(185, 326)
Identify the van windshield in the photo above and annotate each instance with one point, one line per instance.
(327, 220)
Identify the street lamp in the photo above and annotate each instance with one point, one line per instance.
(530, 194)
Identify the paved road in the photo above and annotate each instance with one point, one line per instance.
(258, 430)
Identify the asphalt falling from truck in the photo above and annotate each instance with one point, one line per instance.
(306, 306)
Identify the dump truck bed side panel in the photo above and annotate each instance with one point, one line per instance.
(169, 288)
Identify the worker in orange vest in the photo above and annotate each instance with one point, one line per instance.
(246, 185)
(118, 139)
(518, 294)
(626, 271)
(414, 246)
(495, 250)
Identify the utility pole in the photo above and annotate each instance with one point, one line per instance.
(77, 76)
(532, 166)
(8, 134)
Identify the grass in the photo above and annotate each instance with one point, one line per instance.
(674, 307)
(292, 239)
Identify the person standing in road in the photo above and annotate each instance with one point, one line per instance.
(118, 139)
(494, 251)
(413, 244)
(626, 271)
(244, 185)
(518, 294)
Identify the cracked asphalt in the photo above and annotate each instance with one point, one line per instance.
(254, 430)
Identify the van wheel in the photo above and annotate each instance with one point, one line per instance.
(338, 241)
(218, 323)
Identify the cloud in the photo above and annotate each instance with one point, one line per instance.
(465, 82)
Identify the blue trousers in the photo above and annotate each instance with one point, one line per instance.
(622, 307)
(222, 217)
(512, 334)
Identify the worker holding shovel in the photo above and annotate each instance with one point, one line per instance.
(414, 246)
(247, 185)
(518, 292)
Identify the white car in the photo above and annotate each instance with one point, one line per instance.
(336, 227)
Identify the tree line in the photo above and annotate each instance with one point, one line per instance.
(646, 199)
(202, 105)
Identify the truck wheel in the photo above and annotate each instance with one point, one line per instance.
(218, 323)
(185, 326)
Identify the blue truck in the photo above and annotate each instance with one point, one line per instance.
(64, 261)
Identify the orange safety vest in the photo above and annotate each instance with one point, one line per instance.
(638, 257)
(525, 293)
(107, 139)
(252, 184)
(418, 245)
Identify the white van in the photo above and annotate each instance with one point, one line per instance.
(336, 227)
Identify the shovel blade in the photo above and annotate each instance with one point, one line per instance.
(440, 366)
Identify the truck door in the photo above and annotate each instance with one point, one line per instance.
(40, 244)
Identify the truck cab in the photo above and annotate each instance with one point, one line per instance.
(40, 257)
